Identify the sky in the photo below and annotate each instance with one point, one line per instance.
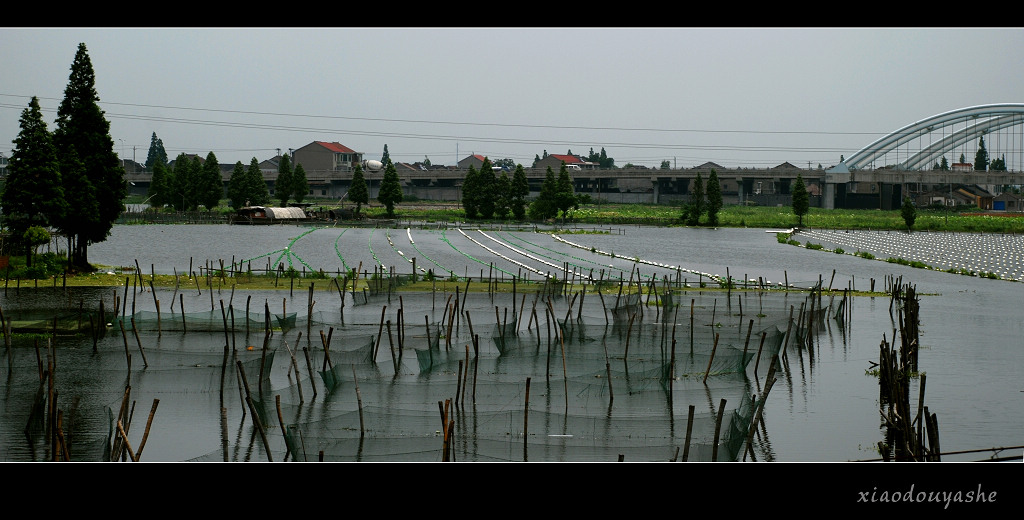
(739, 97)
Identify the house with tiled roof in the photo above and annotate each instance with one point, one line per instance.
(475, 160)
(555, 161)
(323, 156)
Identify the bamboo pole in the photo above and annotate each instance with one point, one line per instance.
(718, 430)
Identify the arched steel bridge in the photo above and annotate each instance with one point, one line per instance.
(926, 141)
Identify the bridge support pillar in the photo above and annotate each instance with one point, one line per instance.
(828, 199)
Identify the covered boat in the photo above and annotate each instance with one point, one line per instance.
(268, 215)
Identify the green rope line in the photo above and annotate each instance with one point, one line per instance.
(369, 245)
(432, 260)
(477, 260)
(338, 251)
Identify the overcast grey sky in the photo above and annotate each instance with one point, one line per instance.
(739, 97)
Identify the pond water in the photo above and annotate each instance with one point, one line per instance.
(823, 407)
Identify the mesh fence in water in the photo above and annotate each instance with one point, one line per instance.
(555, 378)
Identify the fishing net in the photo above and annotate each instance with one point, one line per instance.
(556, 377)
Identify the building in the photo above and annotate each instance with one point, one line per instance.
(1009, 202)
(978, 196)
(475, 160)
(321, 156)
(555, 162)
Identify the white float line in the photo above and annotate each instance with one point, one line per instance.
(401, 254)
(639, 260)
(527, 255)
(524, 266)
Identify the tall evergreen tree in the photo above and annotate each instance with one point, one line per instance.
(714, 192)
(520, 191)
(908, 212)
(565, 193)
(390, 189)
(82, 125)
(237, 190)
(159, 192)
(981, 156)
(545, 206)
(944, 164)
(485, 190)
(801, 199)
(300, 186)
(386, 156)
(696, 207)
(184, 180)
(257, 192)
(503, 191)
(80, 195)
(157, 153)
(212, 183)
(471, 193)
(357, 191)
(33, 194)
(283, 184)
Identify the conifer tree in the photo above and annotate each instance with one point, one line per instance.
(212, 185)
(300, 186)
(358, 191)
(237, 191)
(695, 209)
(80, 195)
(801, 199)
(520, 190)
(283, 184)
(82, 125)
(470, 193)
(33, 194)
(486, 196)
(157, 153)
(565, 193)
(714, 192)
(503, 192)
(909, 213)
(257, 192)
(390, 189)
(159, 187)
(981, 156)
(545, 206)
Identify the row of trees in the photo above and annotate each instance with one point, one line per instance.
(557, 195)
(486, 196)
(193, 183)
(290, 183)
(703, 201)
(70, 180)
(190, 184)
(981, 160)
(390, 192)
